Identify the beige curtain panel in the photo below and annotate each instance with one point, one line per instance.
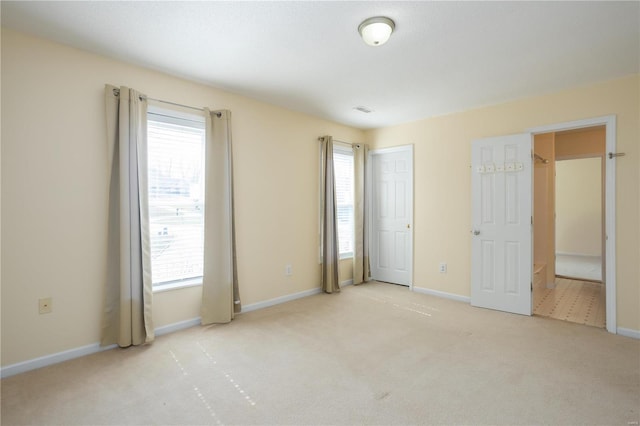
(329, 230)
(128, 288)
(361, 242)
(220, 294)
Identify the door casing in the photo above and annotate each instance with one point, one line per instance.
(609, 122)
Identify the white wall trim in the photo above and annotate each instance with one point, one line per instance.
(279, 300)
(392, 149)
(572, 125)
(44, 361)
(629, 332)
(567, 253)
(609, 121)
(47, 360)
(177, 326)
(443, 294)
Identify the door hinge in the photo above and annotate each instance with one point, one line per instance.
(531, 286)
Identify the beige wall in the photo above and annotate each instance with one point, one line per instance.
(442, 179)
(345, 270)
(579, 206)
(54, 190)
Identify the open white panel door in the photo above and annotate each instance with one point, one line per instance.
(501, 247)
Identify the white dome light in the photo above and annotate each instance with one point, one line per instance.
(376, 31)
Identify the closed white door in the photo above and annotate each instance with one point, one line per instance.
(391, 250)
(501, 253)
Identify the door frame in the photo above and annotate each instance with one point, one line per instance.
(609, 121)
(369, 197)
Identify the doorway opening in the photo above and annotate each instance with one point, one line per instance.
(570, 225)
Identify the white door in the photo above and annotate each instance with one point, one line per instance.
(501, 247)
(391, 250)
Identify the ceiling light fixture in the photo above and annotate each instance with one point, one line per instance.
(376, 31)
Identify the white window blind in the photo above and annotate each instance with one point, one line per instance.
(176, 197)
(343, 167)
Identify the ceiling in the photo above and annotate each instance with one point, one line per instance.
(307, 55)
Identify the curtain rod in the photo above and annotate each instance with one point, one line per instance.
(116, 92)
(174, 103)
(357, 145)
(335, 140)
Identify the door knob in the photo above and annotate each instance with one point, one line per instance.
(408, 226)
(476, 232)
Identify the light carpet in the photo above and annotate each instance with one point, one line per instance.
(372, 354)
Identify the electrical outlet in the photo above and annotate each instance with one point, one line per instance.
(443, 268)
(45, 305)
(288, 270)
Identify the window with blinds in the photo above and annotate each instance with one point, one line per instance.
(176, 198)
(343, 168)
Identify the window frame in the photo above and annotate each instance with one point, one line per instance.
(346, 149)
(179, 117)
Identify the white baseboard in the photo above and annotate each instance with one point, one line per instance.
(628, 332)
(566, 253)
(442, 294)
(346, 283)
(279, 300)
(44, 361)
(177, 326)
(47, 360)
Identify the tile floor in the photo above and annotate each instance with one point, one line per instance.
(582, 302)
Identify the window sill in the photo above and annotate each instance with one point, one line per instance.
(176, 285)
(346, 256)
